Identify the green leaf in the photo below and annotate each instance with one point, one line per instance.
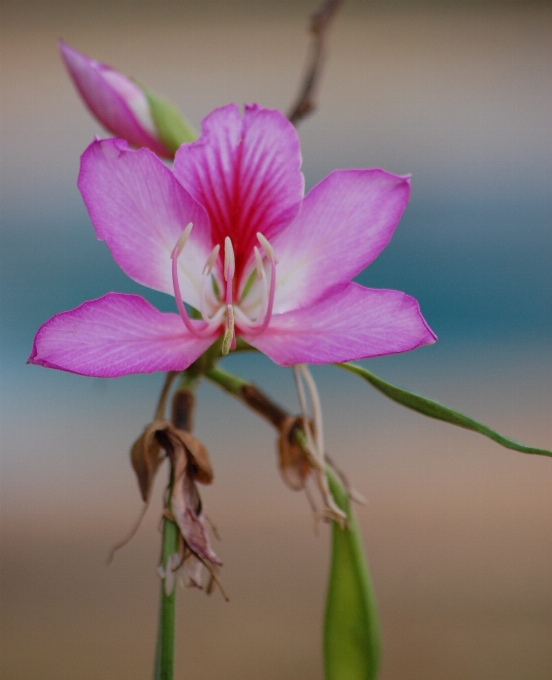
(172, 129)
(433, 409)
(351, 630)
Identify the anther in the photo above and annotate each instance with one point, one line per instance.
(179, 247)
(269, 250)
(208, 268)
(229, 259)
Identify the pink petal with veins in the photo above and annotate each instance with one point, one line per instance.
(138, 207)
(352, 323)
(116, 335)
(246, 172)
(344, 224)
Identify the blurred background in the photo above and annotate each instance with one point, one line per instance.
(457, 529)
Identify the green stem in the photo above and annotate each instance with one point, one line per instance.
(182, 417)
(164, 656)
(229, 382)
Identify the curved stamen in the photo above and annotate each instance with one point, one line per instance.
(258, 263)
(211, 260)
(261, 275)
(207, 270)
(270, 304)
(269, 250)
(267, 306)
(177, 250)
(316, 410)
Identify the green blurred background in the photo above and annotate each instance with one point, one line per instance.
(457, 529)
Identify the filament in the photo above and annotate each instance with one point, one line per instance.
(316, 409)
(177, 250)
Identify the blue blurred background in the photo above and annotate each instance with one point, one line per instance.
(458, 531)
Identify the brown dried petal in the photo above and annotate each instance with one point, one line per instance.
(200, 465)
(145, 456)
(293, 462)
(186, 503)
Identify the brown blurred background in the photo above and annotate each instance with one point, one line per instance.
(457, 529)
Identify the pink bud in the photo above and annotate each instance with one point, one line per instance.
(116, 101)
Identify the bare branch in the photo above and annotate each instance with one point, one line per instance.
(320, 24)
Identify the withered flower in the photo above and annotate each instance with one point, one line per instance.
(293, 461)
(190, 464)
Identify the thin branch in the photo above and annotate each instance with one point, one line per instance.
(169, 379)
(319, 27)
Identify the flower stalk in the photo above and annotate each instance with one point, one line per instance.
(182, 418)
(164, 655)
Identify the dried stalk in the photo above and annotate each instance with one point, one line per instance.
(319, 27)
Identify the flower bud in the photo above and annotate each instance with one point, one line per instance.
(126, 109)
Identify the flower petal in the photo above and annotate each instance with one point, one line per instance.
(353, 323)
(115, 100)
(138, 207)
(246, 172)
(344, 224)
(116, 335)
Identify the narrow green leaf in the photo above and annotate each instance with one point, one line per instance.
(434, 409)
(351, 630)
(172, 129)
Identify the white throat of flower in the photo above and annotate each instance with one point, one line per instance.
(221, 300)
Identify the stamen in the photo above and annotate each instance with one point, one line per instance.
(316, 410)
(229, 268)
(229, 259)
(199, 333)
(303, 405)
(211, 261)
(269, 250)
(207, 271)
(182, 240)
(268, 299)
(228, 339)
(258, 263)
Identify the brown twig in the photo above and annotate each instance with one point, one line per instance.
(252, 396)
(320, 24)
(293, 449)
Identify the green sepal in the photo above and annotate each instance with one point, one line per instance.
(352, 641)
(433, 409)
(172, 129)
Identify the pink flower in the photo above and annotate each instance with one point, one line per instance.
(116, 101)
(228, 231)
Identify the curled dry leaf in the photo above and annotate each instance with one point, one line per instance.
(293, 461)
(146, 457)
(146, 454)
(297, 461)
